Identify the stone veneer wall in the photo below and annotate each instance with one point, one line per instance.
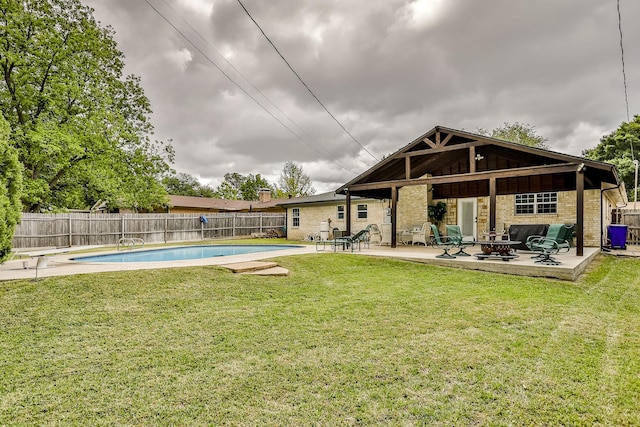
(412, 207)
(312, 215)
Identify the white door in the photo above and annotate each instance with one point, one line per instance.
(468, 216)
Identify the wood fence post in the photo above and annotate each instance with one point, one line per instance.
(122, 228)
(166, 225)
(70, 232)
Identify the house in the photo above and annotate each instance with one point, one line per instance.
(485, 181)
(192, 204)
(305, 215)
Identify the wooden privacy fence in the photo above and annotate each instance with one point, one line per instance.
(80, 229)
(630, 218)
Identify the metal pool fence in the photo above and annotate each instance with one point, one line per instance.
(80, 229)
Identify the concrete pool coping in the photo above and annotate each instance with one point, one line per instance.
(61, 264)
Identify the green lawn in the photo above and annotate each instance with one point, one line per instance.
(344, 340)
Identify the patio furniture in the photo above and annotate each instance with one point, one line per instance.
(420, 235)
(375, 236)
(442, 242)
(522, 232)
(557, 240)
(454, 232)
(498, 249)
(404, 237)
(361, 237)
(499, 232)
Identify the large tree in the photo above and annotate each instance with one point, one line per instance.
(620, 148)
(294, 182)
(240, 187)
(81, 128)
(182, 184)
(10, 188)
(516, 132)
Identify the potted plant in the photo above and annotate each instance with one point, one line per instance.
(436, 212)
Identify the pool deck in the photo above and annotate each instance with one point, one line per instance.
(60, 264)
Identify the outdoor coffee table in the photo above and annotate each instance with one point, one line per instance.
(497, 249)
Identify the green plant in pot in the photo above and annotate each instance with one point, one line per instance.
(437, 212)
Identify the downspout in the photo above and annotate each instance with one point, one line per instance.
(602, 248)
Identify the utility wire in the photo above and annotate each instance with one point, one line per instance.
(624, 75)
(327, 153)
(238, 86)
(304, 84)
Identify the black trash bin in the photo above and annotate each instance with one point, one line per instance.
(617, 236)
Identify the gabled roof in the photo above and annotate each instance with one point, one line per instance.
(450, 157)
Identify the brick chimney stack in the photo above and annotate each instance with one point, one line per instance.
(264, 195)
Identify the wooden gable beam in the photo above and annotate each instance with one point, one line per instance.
(463, 146)
(428, 142)
(466, 177)
(446, 140)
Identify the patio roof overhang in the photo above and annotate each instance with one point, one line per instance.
(458, 164)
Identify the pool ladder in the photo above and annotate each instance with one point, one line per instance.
(130, 243)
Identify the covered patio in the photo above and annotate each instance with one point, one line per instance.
(453, 164)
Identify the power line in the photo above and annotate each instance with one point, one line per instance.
(624, 74)
(327, 153)
(303, 83)
(240, 87)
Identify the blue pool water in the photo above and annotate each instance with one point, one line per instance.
(183, 253)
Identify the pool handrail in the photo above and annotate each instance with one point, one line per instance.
(130, 242)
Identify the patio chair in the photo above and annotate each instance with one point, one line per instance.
(455, 234)
(557, 240)
(441, 242)
(375, 236)
(421, 235)
(361, 237)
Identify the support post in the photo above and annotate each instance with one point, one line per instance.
(347, 213)
(394, 208)
(492, 204)
(580, 212)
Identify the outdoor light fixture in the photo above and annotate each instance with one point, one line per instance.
(479, 157)
(581, 167)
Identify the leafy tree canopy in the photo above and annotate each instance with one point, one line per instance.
(10, 190)
(81, 128)
(294, 182)
(516, 132)
(239, 187)
(620, 148)
(183, 184)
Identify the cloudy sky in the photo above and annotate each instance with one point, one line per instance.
(388, 70)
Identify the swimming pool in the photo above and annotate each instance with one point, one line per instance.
(183, 253)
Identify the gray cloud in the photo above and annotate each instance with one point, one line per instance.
(389, 70)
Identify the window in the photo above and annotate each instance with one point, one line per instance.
(340, 214)
(362, 211)
(295, 217)
(536, 203)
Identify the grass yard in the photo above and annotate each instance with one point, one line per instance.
(344, 340)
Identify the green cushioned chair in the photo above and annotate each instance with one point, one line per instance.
(557, 240)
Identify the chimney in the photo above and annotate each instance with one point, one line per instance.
(264, 195)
